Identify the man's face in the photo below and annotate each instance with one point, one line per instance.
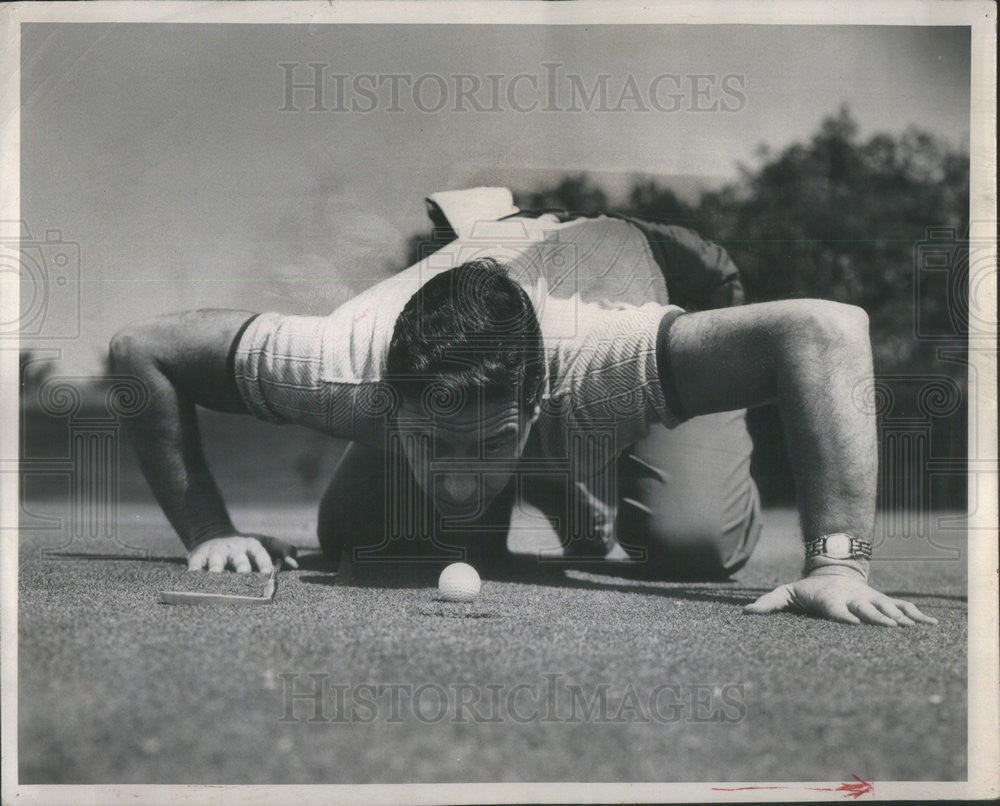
(464, 459)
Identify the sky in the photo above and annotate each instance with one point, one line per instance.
(165, 153)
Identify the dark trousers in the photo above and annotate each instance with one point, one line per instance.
(686, 506)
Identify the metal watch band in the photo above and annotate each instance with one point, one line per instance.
(857, 549)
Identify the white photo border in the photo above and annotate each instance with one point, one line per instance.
(983, 666)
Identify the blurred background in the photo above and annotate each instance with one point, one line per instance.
(175, 169)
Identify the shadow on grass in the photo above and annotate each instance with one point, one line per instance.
(598, 575)
(604, 575)
(601, 575)
(82, 555)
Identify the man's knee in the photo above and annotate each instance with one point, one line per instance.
(352, 510)
(332, 526)
(679, 550)
(691, 543)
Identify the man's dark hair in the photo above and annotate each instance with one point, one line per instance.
(468, 330)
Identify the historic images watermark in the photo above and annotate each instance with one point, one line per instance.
(320, 87)
(319, 698)
(48, 274)
(950, 271)
(85, 417)
(71, 435)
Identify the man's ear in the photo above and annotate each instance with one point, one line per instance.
(532, 418)
(535, 414)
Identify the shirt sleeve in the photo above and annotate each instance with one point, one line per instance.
(325, 372)
(277, 369)
(699, 274)
(608, 376)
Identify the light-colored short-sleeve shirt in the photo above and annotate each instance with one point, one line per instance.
(599, 286)
(597, 291)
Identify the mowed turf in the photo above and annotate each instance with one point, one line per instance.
(117, 688)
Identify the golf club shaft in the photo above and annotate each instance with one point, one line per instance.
(272, 580)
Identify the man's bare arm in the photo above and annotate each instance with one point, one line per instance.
(811, 357)
(181, 358)
(808, 356)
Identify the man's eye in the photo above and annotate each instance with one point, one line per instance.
(496, 447)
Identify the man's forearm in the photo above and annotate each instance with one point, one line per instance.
(812, 358)
(167, 442)
(830, 433)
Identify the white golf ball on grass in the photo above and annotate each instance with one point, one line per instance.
(459, 582)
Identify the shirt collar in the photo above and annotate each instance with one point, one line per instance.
(460, 210)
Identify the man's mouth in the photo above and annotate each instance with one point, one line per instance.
(448, 506)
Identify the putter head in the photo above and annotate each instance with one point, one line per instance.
(193, 597)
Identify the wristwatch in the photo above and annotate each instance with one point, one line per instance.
(839, 546)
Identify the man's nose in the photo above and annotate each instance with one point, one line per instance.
(460, 487)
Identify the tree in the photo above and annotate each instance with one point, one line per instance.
(836, 217)
(575, 193)
(840, 219)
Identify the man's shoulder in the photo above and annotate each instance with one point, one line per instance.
(699, 272)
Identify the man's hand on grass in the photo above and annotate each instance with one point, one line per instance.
(241, 553)
(840, 596)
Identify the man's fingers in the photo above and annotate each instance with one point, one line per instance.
(196, 560)
(839, 612)
(888, 607)
(867, 612)
(778, 599)
(242, 553)
(240, 563)
(261, 558)
(279, 548)
(914, 612)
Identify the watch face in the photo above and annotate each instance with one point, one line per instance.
(838, 547)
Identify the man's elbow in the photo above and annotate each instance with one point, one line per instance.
(128, 349)
(850, 318)
(831, 324)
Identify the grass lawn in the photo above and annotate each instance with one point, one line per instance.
(117, 688)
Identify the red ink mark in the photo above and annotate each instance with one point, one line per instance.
(850, 790)
(362, 315)
(855, 790)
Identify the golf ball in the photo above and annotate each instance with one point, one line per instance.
(459, 582)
